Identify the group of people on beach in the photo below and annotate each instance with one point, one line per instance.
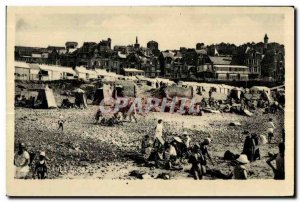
(25, 162)
(171, 152)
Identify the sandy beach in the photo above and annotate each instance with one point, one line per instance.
(86, 150)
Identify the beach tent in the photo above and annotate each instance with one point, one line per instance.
(104, 92)
(98, 96)
(175, 91)
(45, 99)
(236, 93)
(118, 91)
(80, 98)
(260, 89)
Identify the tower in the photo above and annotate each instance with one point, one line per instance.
(136, 45)
(266, 39)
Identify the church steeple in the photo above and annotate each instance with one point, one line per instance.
(136, 45)
(266, 39)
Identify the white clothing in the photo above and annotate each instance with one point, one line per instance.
(21, 167)
(21, 159)
(187, 142)
(158, 130)
(170, 152)
(21, 172)
(270, 127)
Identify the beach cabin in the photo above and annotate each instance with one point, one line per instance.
(50, 72)
(34, 71)
(67, 72)
(56, 72)
(259, 90)
(92, 74)
(164, 81)
(146, 81)
(22, 71)
(85, 74)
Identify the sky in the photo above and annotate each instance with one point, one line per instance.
(170, 27)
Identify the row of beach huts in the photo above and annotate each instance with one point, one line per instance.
(32, 71)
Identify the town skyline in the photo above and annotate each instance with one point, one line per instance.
(145, 45)
(172, 29)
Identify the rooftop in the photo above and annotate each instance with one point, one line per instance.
(220, 60)
(132, 70)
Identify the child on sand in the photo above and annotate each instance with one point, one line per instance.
(41, 167)
(61, 122)
(240, 171)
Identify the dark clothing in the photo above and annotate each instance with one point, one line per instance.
(98, 115)
(41, 170)
(250, 148)
(197, 170)
(146, 143)
(279, 176)
(270, 136)
(61, 125)
(204, 152)
(160, 161)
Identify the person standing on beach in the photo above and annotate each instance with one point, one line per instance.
(279, 159)
(270, 130)
(61, 122)
(158, 129)
(197, 160)
(204, 151)
(157, 138)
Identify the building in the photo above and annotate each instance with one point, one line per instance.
(153, 70)
(152, 45)
(266, 41)
(59, 49)
(122, 49)
(132, 72)
(200, 46)
(273, 61)
(166, 60)
(136, 45)
(273, 65)
(253, 60)
(71, 46)
(105, 45)
(23, 53)
(85, 53)
(204, 65)
(223, 69)
(231, 72)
